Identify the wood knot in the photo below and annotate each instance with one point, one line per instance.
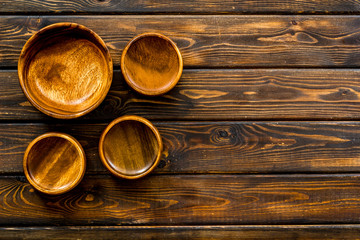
(223, 134)
(89, 197)
(344, 91)
(340, 95)
(161, 164)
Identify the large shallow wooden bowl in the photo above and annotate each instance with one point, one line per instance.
(65, 70)
(130, 147)
(54, 163)
(151, 64)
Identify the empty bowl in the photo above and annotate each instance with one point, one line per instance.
(54, 163)
(151, 64)
(130, 147)
(65, 70)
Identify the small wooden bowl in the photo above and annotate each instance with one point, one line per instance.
(130, 147)
(54, 163)
(151, 64)
(65, 70)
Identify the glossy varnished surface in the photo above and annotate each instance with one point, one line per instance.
(151, 64)
(80, 74)
(260, 134)
(130, 147)
(54, 163)
(65, 70)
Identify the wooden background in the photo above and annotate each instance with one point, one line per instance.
(261, 135)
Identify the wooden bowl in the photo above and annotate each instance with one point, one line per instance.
(130, 147)
(65, 70)
(151, 64)
(54, 163)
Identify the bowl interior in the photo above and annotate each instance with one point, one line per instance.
(151, 65)
(54, 163)
(130, 147)
(65, 70)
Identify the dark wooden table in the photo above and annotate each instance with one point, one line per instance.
(261, 134)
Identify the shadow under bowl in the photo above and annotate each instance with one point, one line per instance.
(151, 64)
(130, 147)
(54, 163)
(65, 70)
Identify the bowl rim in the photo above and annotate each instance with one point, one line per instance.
(125, 74)
(27, 46)
(82, 165)
(105, 161)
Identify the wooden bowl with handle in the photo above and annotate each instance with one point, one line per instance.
(65, 70)
(151, 64)
(54, 163)
(130, 147)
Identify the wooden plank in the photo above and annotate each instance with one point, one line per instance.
(255, 94)
(178, 6)
(266, 147)
(187, 200)
(269, 232)
(213, 40)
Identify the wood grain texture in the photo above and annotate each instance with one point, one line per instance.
(65, 70)
(193, 147)
(218, 124)
(178, 6)
(233, 232)
(187, 200)
(256, 94)
(213, 40)
(54, 163)
(130, 147)
(151, 64)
